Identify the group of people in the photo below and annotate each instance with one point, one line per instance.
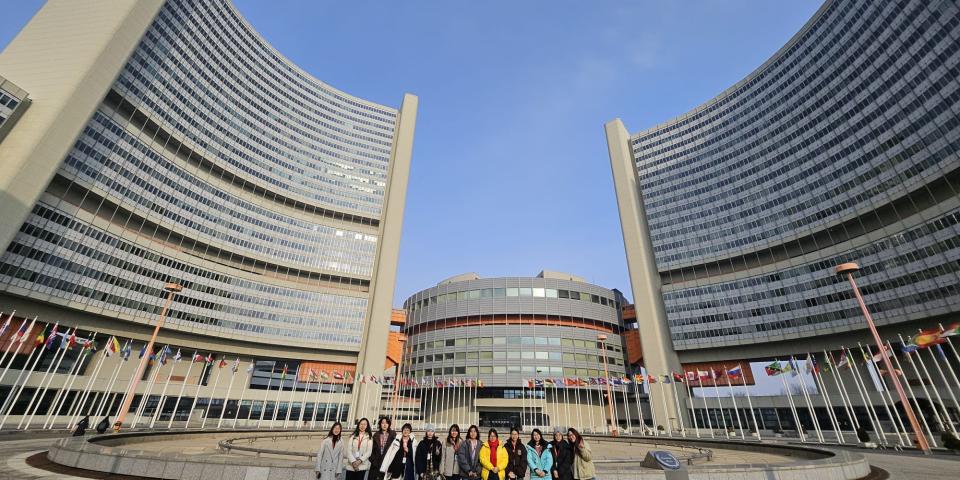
(389, 455)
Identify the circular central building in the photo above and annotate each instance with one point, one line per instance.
(521, 351)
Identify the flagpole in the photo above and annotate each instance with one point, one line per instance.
(814, 369)
(266, 396)
(835, 373)
(183, 387)
(913, 396)
(303, 401)
(243, 392)
(955, 355)
(329, 403)
(83, 392)
(276, 403)
(48, 379)
(746, 390)
(578, 410)
(806, 397)
(676, 398)
(316, 403)
(213, 391)
(163, 392)
(793, 406)
(706, 408)
(945, 414)
(226, 400)
(716, 391)
(12, 398)
(626, 405)
(106, 393)
(733, 399)
(838, 379)
(663, 399)
(293, 393)
(20, 340)
(343, 389)
(589, 396)
(61, 397)
(145, 398)
(864, 394)
(126, 390)
(943, 376)
(886, 400)
(58, 355)
(693, 406)
(207, 362)
(923, 384)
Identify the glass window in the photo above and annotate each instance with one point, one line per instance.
(538, 292)
(499, 340)
(554, 341)
(461, 342)
(473, 355)
(569, 371)
(582, 372)
(542, 341)
(449, 343)
(474, 341)
(554, 355)
(567, 342)
(514, 340)
(574, 295)
(486, 370)
(569, 357)
(512, 355)
(526, 292)
(542, 355)
(527, 355)
(556, 370)
(448, 356)
(513, 368)
(460, 370)
(500, 370)
(527, 341)
(513, 292)
(461, 295)
(581, 357)
(448, 371)
(438, 344)
(499, 355)
(471, 370)
(486, 293)
(473, 294)
(551, 293)
(460, 355)
(530, 369)
(486, 341)
(486, 355)
(563, 293)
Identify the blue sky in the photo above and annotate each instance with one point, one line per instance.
(510, 172)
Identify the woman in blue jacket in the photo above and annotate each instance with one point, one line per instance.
(539, 457)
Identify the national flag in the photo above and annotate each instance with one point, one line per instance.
(773, 369)
(479, 383)
(570, 382)
(703, 375)
(616, 381)
(666, 379)
(41, 338)
(209, 358)
(311, 375)
(844, 361)
(691, 376)
(113, 346)
(927, 338)
(222, 363)
(549, 381)
(51, 337)
(940, 352)
(336, 375)
(24, 328)
(164, 354)
(283, 374)
(143, 350)
(637, 378)
(908, 348)
(250, 368)
(735, 373)
(69, 342)
(197, 358)
(324, 375)
(651, 379)
(626, 380)
(6, 325)
(126, 350)
(794, 369)
(677, 377)
(953, 330)
(89, 346)
(235, 366)
(177, 356)
(879, 356)
(451, 383)
(600, 381)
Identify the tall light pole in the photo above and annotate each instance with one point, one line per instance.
(848, 269)
(396, 378)
(603, 347)
(171, 289)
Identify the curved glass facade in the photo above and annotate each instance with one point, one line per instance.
(507, 331)
(844, 146)
(216, 163)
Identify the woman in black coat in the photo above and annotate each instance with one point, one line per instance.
(382, 440)
(516, 456)
(562, 457)
(429, 450)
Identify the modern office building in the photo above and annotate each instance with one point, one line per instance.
(511, 351)
(167, 141)
(843, 147)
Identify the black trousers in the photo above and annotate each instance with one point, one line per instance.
(358, 475)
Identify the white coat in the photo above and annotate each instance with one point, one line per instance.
(330, 460)
(354, 452)
(392, 453)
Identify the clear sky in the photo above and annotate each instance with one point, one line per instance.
(510, 172)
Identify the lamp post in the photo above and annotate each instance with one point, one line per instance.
(396, 378)
(171, 289)
(601, 338)
(848, 269)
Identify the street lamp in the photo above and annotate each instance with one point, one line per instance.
(396, 378)
(613, 427)
(848, 269)
(171, 289)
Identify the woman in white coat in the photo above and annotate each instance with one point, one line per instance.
(398, 462)
(330, 456)
(356, 453)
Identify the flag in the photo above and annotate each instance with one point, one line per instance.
(908, 348)
(651, 379)
(677, 377)
(549, 381)
(89, 346)
(164, 354)
(691, 376)
(197, 357)
(600, 381)
(126, 350)
(844, 361)
(311, 375)
(570, 382)
(879, 356)
(51, 337)
(940, 352)
(666, 379)
(703, 375)
(250, 368)
(69, 342)
(143, 350)
(948, 332)
(794, 369)
(479, 383)
(928, 338)
(637, 378)
(222, 363)
(324, 375)
(236, 365)
(336, 375)
(6, 325)
(22, 333)
(283, 375)
(735, 373)
(113, 346)
(177, 356)
(773, 369)
(209, 358)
